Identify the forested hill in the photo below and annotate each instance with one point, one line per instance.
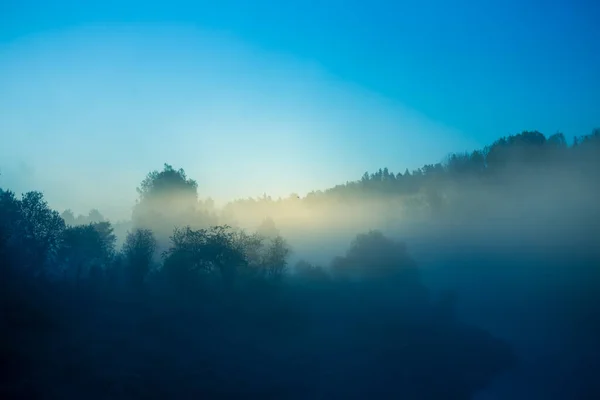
(198, 302)
(495, 182)
(516, 154)
(512, 178)
(525, 159)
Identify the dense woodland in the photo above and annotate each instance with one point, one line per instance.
(189, 301)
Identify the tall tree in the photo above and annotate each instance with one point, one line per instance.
(276, 258)
(86, 248)
(138, 251)
(39, 231)
(203, 251)
(168, 199)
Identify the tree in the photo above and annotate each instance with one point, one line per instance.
(107, 237)
(138, 250)
(252, 246)
(372, 255)
(9, 222)
(557, 140)
(169, 199)
(167, 183)
(268, 229)
(307, 271)
(87, 247)
(69, 217)
(94, 216)
(276, 258)
(523, 149)
(203, 251)
(38, 230)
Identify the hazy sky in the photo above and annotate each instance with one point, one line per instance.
(277, 96)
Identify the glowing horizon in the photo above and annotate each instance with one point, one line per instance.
(118, 102)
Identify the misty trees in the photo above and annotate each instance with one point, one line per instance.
(275, 258)
(9, 212)
(266, 252)
(372, 255)
(401, 341)
(202, 251)
(94, 216)
(382, 266)
(523, 150)
(183, 261)
(87, 248)
(267, 228)
(272, 324)
(462, 186)
(227, 252)
(586, 155)
(68, 217)
(30, 228)
(138, 252)
(374, 326)
(164, 190)
(529, 152)
(168, 199)
(41, 229)
(310, 273)
(463, 166)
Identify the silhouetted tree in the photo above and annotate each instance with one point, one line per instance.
(85, 247)
(373, 255)
(252, 246)
(37, 231)
(310, 272)
(275, 260)
(138, 250)
(268, 229)
(169, 199)
(94, 216)
(9, 217)
(203, 251)
(68, 217)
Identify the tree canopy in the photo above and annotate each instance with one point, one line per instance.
(193, 307)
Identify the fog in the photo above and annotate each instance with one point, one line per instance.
(117, 101)
(476, 277)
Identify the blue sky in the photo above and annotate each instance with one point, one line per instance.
(278, 96)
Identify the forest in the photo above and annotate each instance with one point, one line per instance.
(476, 277)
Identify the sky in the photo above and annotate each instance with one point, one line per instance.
(277, 96)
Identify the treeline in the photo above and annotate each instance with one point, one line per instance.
(212, 312)
(527, 152)
(187, 306)
(462, 186)
(510, 166)
(36, 240)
